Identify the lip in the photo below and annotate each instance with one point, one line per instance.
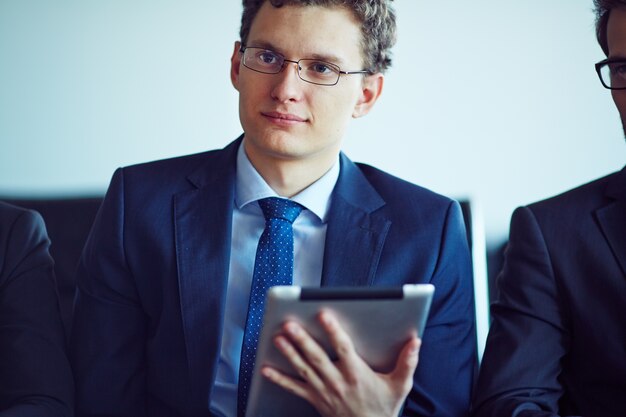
(283, 118)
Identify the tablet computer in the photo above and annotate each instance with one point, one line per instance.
(379, 320)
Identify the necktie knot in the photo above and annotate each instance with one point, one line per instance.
(280, 208)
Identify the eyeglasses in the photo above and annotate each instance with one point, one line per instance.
(612, 73)
(312, 71)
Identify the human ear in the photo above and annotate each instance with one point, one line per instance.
(371, 89)
(235, 62)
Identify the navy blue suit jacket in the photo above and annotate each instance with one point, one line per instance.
(557, 345)
(152, 282)
(35, 375)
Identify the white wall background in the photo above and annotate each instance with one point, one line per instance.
(488, 99)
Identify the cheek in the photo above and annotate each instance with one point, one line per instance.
(246, 94)
(253, 85)
(619, 97)
(336, 109)
(250, 98)
(332, 119)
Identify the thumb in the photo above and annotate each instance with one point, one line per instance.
(406, 364)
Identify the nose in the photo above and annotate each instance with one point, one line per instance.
(288, 86)
(286, 62)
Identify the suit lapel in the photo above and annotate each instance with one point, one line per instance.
(203, 218)
(355, 233)
(612, 218)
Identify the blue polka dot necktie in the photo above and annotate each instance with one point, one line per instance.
(273, 266)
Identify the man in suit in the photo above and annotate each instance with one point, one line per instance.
(557, 345)
(35, 375)
(166, 274)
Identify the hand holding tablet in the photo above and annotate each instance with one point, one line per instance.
(377, 324)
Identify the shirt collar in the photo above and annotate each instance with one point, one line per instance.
(250, 187)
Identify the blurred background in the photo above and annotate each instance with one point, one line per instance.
(495, 101)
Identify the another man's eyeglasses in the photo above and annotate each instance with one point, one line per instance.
(312, 71)
(612, 73)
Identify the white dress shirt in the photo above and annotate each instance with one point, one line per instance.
(309, 231)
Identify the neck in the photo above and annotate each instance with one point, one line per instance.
(289, 176)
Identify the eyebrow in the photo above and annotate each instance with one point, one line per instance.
(321, 57)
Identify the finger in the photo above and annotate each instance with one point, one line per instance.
(314, 355)
(298, 363)
(341, 342)
(288, 383)
(402, 375)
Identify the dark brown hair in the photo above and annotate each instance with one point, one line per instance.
(377, 19)
(603, 12)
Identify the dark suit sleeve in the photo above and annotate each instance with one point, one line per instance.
(529, 336)
(35, 376)
(447, 360)
(108, 336)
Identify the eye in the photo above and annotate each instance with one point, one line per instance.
(620, 69)
(268, 57)
(321, 68)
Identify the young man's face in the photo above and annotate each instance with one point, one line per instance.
(616, 36)
(285, 118)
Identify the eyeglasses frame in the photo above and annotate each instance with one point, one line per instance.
(243, 48)
(604, 62)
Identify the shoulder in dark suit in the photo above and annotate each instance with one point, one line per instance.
(557, 342)
(35, 376)
(152, 282)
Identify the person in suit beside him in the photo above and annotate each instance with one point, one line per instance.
(35, 375)
(557, 344)
(170, 284)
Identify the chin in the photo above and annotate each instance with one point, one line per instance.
(278, 144)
